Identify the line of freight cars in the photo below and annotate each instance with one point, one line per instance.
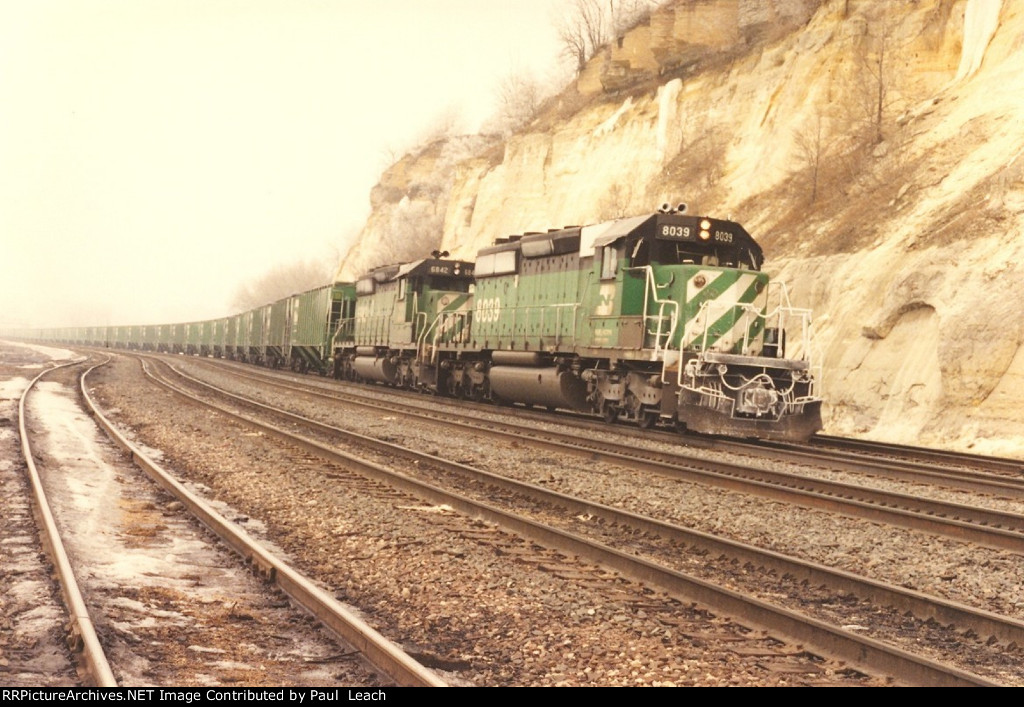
(658, 318)
(294, 332)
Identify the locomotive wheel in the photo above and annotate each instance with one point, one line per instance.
(631, 404)
(452, 388)
(610, 413)
(646, 419)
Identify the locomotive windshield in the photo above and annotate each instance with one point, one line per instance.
(450, 284)
(676, 239)
(644, 251)
(679, 240)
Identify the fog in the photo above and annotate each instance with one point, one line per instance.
(157, 155)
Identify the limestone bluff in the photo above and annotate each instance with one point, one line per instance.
(907, 252)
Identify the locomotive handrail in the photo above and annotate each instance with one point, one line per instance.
(783, 314)
(345, 326)
(419, 323)
(540, 328)
(439, 331)
(651, 290)
(418, 316)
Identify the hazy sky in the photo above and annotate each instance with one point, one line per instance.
(154, 154)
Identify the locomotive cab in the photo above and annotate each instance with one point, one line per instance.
(698, 334)
(405, 314)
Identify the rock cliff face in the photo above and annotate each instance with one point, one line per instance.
(874, 149)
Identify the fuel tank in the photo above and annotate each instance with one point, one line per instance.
(375, 369)
(547, 387)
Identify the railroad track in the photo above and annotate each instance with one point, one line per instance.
(162, 623)
(670, 540)
(82, 636)
(921, 456)
(505, 632)
(973, 523)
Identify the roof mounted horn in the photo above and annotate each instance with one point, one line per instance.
(667, 208)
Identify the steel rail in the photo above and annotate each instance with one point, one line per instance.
(856, 649)
(862, 447)
(923, 472)
(866, 462)
(984, 526)
(982, 622)
(381, 652)
(82, 638)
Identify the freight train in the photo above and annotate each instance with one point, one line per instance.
(664, 317)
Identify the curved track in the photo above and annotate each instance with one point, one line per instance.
(837, 642)
(974, 523)
(82, 636)
(386, 657)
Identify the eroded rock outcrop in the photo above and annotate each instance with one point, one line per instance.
(906, 121)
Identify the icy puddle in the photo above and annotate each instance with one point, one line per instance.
(173, 608)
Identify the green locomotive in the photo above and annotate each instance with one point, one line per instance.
(664, 317)
(404, 316)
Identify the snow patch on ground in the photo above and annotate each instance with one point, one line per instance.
(12, 388)
(47, 351)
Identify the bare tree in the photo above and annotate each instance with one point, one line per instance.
(281, 281)
(812, 147)
(614, 204)
(877, 76)
(627, 14)
(446, 123)
(583, 29)
(582, 32)
(389, 155)
(708, 150)
(573, 39)
(588, 25)
(518, 97)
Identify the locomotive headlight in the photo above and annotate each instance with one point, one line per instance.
(704, 235)
(705, 225)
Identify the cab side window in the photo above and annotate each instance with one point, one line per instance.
(609, 262)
